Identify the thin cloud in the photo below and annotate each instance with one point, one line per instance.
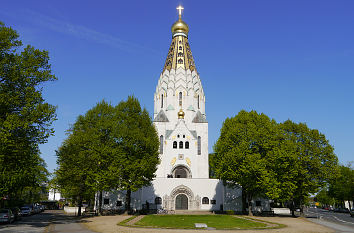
(80, 32)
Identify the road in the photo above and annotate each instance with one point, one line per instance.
(48, 221)
(341, 222)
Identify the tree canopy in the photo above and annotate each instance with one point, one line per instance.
(342, 187)
(109, 148)
(25, 117)
(283, 162)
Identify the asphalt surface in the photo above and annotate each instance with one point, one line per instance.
(341, 222)
(47, 221)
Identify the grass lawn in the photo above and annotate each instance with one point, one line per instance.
(188, 221)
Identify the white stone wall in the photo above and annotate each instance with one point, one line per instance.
(170, 84)
(213, 189)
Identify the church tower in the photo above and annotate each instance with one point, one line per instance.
(179, 112)
(182, 178)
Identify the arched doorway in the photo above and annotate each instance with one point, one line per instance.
(181, 172)
(181, 202)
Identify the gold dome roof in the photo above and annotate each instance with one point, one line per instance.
(181, 114)
(180, 27)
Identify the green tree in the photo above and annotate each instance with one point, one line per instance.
(241, 154)
(25, 117)
(108, 148)
(136, 136)
(324, 198)
(84, 156)
(284, 162)
(342, 187)
(313, 160)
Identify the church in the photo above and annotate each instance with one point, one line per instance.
(182, 179)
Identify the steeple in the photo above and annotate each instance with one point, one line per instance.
(179, 54)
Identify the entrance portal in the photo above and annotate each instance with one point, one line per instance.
(181, 202)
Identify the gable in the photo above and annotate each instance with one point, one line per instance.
(161, 117)
(199, 118)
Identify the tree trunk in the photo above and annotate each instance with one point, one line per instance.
(100, 202)
(292, 206)
(302, 209)
(250, 206)
(244, 202)
(127, 201)
(80, 205)
(350, 207)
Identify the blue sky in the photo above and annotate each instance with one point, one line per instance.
(288, 59)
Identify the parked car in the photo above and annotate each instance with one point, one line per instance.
(341, 210)
(351, 212)
(17, 212)
(26, 211)
(36, 209)
(6, 215)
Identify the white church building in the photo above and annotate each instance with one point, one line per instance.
(182, 179)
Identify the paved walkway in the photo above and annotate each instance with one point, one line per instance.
(67, 223)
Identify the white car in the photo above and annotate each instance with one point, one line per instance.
(26, 211)
(7, 216)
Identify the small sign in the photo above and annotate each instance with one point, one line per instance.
(317, 204)
(200, 225)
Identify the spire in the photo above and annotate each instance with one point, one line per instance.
(179, 54)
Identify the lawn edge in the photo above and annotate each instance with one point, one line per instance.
(278, 225)
(125, 221)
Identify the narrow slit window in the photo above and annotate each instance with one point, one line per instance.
(198, 103)
(180, 99)
(174, 145)
(187, 145)
(199, 145)
(161, 144)
(162, 101)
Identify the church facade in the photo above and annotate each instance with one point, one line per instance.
(182, 179)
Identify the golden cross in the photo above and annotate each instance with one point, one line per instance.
(180, 8)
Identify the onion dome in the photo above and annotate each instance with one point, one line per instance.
(179, 28)
(181, 114)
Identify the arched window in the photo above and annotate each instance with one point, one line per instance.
(181, 172)
(199, 145)
(180, 145)
(180, 47)
(161, 100)
(205, 201)
(198, 103)
(187, 145)
(180, 99)
(180, 61)
(158, 201)
(161, 144)
(174, 145)
(180, 54)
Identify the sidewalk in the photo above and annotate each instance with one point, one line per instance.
(68, 223)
